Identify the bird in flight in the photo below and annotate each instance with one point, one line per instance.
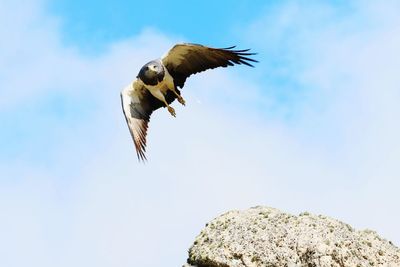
(158, 81)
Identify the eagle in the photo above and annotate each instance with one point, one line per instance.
(157, 83)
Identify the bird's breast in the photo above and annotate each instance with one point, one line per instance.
(161, 86)
(167, 83)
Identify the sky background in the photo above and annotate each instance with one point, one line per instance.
(314, 127)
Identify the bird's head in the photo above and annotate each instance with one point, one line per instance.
(151, 73)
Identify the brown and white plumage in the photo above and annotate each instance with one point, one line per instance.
(157, 83)
(184, 60)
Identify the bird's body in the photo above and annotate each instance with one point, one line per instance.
(157, 83)
(163, 82)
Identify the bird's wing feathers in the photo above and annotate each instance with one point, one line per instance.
(184, 60)
(137, 110)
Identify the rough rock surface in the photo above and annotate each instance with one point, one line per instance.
(264, 236)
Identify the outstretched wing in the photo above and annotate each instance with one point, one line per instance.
(138, 104)
(184, 60)
(137, 109)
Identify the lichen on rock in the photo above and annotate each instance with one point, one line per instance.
(263, 236)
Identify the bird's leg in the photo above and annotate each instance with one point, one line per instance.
(180, 98)
(159, 95)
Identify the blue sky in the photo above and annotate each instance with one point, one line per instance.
(93, 24)
(313, 127)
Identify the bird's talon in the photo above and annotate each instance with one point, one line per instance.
(172, 111)
(181, 100)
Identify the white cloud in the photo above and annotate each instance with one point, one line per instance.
(349, 115)
(95, 205)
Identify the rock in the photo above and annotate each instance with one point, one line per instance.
(263, 236)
